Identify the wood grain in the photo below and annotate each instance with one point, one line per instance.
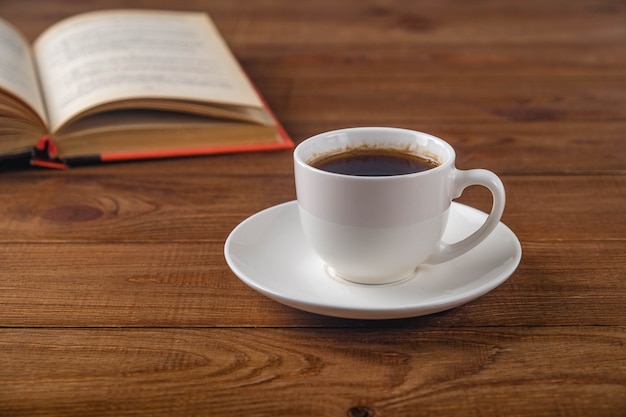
(116, 300)
(188, 284)
(315, 372)
(69, 207)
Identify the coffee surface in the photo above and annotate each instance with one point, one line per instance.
(373, 162)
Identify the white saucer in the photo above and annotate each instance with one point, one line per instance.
(269, 253)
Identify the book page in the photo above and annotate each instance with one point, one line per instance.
(101, 57)
(17, 71)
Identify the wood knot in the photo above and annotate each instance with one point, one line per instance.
(360, 411)
(73, 213)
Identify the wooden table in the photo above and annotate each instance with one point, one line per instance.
(116, 298)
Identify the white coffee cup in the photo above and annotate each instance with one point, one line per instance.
(379, 229)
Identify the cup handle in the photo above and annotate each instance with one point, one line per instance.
(460, 180)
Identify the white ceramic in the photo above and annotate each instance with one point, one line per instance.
(268, 251)
(376, 230)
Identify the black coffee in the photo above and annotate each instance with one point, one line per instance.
(370, 162)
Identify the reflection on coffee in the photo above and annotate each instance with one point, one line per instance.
(371, 162)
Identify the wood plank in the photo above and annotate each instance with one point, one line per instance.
(418, 58)
(189, 284)
(62, 207)
(398, 21)
(272, 372)
(441, 99)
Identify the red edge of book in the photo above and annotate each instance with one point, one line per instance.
(203, 150)
(45, 154)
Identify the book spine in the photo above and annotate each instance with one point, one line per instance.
(16, 160)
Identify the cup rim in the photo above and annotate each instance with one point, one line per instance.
(449, 159)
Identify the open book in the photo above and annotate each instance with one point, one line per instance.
(128, 84)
